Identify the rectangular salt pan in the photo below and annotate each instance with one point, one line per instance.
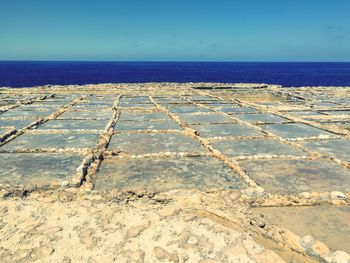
(204, 118)
(224, 130)
(52, 140)
(15, 124)
(154, 143)
(143, 116)
(235, 148)
(166, 174)
(25, 114)
(188, 109)
(261, 118)
(339, 148)
(74, 125)
(238, 110)
(36, 168)
(297, 176)
(106, 115)
(296, 130)
(146, 125)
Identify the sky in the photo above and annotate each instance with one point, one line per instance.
(175, 30)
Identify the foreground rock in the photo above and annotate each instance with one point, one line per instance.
(143, 230)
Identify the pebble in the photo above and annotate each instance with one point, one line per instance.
(86, 237)
(160, 253)
(338, 195)
(251, 246)
(340, 257)
(168, 211)
(320, 249)
(306, 241)
(135, 231)
(305, 195)
(254, 191)
(65, 183)
(192, 241)
(92, 260)
(173, 257)
(292, 240)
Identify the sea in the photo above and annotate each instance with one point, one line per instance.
(288, 74)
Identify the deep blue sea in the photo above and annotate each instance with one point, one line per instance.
(26, 74)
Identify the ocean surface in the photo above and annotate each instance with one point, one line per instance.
(27, 74)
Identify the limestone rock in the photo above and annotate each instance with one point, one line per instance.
(135, 256)
(168, 211)
(42, 252)
(88, 239)
(338, 195)
(340, 257)
(268, 256)
(162, 254)
(292, 240)
(320, 249)
(135, 231)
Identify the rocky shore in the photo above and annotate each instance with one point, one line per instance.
(168, 172)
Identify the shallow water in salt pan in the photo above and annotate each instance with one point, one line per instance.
(261, 117)
(295, 130)
(166, 174)
(203, 118)
(73, 125)
(340, 148)
(16, 124)
(296, 176)
(146, 125)
(36, 168)
(222, 130)
(330, 225)
(234, 148)
(154, 143)
(33, 141)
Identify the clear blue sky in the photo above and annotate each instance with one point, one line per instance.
(205, 30)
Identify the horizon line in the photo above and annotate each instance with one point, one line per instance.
(180, 61)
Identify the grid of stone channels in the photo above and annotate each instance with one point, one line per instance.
(203, 113)
(219, 125)
(11, 124)
(72, 143)
(148, 125)
(325, 134)
(164, 146)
